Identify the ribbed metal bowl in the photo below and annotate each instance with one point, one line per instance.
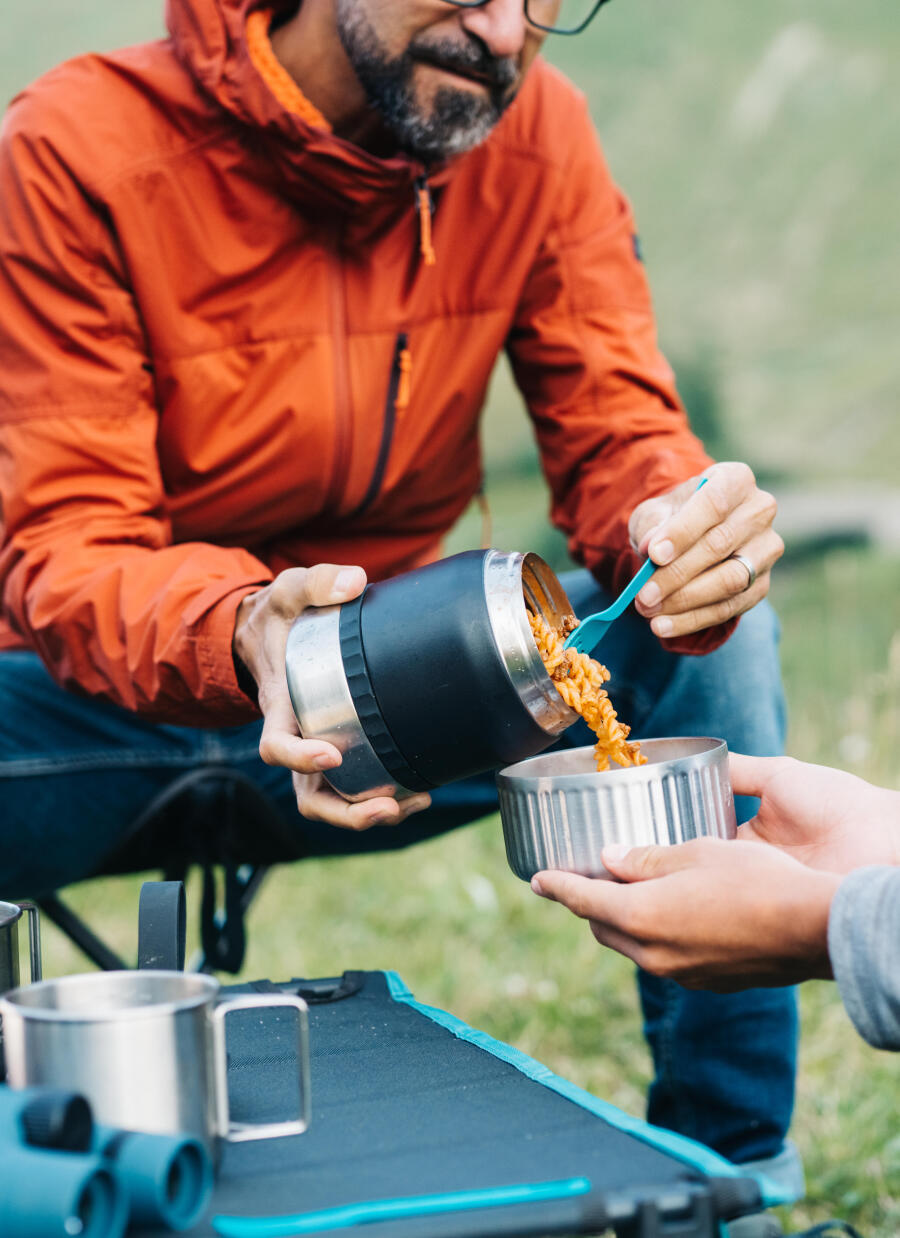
(559, 812)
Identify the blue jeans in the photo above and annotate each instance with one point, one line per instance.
(74, 773)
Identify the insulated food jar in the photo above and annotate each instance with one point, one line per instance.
(430, 676)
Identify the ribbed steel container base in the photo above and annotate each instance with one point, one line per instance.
(559, 812)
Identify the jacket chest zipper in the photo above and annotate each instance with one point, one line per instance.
(396, 400)
(342, 408)
(398, 383)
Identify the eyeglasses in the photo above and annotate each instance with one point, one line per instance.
(554, 16)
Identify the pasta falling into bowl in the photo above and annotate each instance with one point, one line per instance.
(579, 679)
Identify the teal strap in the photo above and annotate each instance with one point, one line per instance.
(697, 1155)
(394, 1209)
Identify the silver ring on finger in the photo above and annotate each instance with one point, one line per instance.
(751, 570)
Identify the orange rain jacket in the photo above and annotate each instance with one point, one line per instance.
(208, 308)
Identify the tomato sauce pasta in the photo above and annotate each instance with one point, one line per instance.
(579, 680)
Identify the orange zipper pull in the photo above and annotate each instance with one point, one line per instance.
(426, 209)
(404, 383)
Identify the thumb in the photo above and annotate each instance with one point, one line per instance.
(298, 587)
(327, 583)
(749, 775)
(646, 519)
(643, 863)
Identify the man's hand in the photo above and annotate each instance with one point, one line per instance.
(711, 914)
(691, 534)
(260, 639)
(823, 817)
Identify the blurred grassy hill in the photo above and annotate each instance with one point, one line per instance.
(758, 143)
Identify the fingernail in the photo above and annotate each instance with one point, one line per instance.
(345, 580)
(662, 626)
(651, 594)
(615, 852)
(536, 886)
(325, 761)
(662, 552)
(380, 818)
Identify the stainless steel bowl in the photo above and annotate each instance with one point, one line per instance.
(559, 812)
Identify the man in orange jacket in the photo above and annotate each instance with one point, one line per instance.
(255, 279)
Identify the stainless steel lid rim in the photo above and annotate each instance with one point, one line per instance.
(365, 700)
(324, 707)
(509, 579)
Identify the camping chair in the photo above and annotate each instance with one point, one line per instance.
(217, 819)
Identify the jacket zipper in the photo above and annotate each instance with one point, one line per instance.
(395, 401)
(342, 409)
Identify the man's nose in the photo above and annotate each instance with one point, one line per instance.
(500, 24)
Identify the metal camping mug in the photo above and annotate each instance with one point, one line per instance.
(10, 915)
(146, 1048)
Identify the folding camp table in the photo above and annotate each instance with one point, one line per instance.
(423, 1126)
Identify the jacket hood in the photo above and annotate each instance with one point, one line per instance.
(211, 40)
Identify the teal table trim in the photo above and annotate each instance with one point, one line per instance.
(392, 1209)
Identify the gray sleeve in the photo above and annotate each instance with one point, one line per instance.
(864, 947)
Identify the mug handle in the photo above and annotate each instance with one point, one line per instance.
(34, 939)
(241, 1132)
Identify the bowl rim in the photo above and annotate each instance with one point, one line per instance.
(713, 750)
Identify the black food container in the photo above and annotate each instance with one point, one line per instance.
(430, 676)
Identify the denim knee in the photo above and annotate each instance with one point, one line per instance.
(734, 693)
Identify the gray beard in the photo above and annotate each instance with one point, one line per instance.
(457, 119)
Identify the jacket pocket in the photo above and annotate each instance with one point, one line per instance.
(396, 400)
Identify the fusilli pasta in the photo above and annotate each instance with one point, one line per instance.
(579, 680)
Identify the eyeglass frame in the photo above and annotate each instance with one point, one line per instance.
(479, 4)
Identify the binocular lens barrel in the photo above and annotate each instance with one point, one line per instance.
(49, 1194)
(168, 1178)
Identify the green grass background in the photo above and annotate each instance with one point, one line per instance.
(758, 143)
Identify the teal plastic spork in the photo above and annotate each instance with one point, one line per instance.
(591, 631)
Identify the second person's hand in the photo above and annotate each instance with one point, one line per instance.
(261, 630)
(711, 914)
(824, 817)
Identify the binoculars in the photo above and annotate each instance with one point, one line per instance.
(64, 1175)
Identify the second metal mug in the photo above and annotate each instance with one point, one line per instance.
(147, 1049)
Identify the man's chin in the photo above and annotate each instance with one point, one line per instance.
(450, 146)
(450, 123)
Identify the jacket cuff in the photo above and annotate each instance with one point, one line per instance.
(699, 643)
(232, 702)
